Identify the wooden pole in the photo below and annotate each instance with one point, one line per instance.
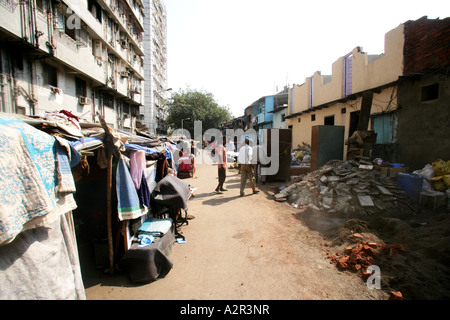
(109, 214)
(111, 150)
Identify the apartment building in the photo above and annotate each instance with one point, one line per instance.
(269, 111)
(83, 56)
(154, 111)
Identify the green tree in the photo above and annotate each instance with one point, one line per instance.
(196, 106)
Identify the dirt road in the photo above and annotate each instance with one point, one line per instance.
(240, 248)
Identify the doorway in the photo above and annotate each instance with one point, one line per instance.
(354, 120)
(329, 121)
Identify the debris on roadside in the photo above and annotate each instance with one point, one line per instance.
(352, 187)
(359, 257)
(395, 295)
(301, 156)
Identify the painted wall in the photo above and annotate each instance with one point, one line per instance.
(327, 91)
(269, 107)
(367, 72)
(384, 101)
(278, 121)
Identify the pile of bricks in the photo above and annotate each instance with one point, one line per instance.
(360, 256)
(357, 258)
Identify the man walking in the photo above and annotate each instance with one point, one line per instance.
(246, 166)
(221, 152)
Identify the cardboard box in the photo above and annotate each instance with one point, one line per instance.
(391, 172)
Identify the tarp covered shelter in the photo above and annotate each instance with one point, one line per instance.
(38, 251)
(60, 178)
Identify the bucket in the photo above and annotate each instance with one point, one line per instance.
(410, 183)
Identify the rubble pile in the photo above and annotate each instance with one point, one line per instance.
(301, 156)
(351, 187)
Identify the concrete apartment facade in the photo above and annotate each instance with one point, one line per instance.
(154, 111)
(83, 56)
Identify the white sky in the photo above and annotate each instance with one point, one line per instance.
(241, 50)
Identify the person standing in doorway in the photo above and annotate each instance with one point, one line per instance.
(246, 166)
(221, 152)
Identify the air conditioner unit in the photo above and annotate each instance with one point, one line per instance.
(124, 74)
(84, 100)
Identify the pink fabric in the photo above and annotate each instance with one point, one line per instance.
(137, 166)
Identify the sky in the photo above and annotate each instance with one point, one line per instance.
(242, 50)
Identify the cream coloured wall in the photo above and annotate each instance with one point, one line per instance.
(384, 70)
(332, 90)
(384, 101)
(369, 72)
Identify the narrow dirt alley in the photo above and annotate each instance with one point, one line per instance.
(240, 248)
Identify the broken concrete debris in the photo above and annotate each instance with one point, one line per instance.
(346, 187)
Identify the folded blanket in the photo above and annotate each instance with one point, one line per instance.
(155, 227)
(128, 204)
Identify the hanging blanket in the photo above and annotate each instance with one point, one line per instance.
(128, 203)
(137, 166)
(66, 182)
(28, 175)
(144, 192)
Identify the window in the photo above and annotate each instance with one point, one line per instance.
(80, 87)
(49, 75)
(313, 117)
(343, 111)
(41, 5)
(17, 59)
(95, 9)
(108, 100)
(329, 121)
(430, 92)
(70, 30)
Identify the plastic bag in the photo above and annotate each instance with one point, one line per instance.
(441, 167)
(427, 172)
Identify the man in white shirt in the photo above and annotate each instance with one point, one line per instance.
(245, 158)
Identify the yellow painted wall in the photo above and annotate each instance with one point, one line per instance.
(384, 101)
(383, 70)
(368, 73)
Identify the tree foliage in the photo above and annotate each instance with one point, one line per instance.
(197, 106)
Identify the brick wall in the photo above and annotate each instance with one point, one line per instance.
(427, 45)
